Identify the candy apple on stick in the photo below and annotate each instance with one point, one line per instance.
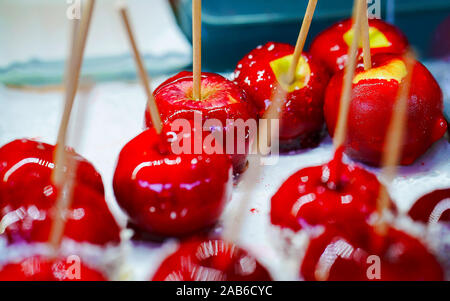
(169, 194)
(59, 180)
(374, 93)
(27, 162)
(331, 194)
(281, 66)
(33, 181)
(63, 199)
(214, 97)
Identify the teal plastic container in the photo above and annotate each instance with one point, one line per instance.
(232, 28)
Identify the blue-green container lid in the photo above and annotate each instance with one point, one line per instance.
(232, 28)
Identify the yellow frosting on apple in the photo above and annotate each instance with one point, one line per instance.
(394, 70)
(377, 38)
(280, 68)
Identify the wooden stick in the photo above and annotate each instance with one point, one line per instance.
(301, 40)
(151, 103)
(69, 60)
(394, 140)
(72, 80)
(349, 73)
(71, 83)
(365, 36)
(197, 47)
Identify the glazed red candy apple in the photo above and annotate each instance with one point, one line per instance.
(331, 194)
(89, 220)
(374, 93)
(354, 255)
(211, 260)
(27, 197)
(433, 207)
(41, 269)
(169, 195)
(29, 163)
(332, 45)
(221, 100)
(259, 74)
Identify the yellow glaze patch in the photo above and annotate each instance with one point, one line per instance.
(232, 99)
(394, 70)
(377, 38)
(280, 68)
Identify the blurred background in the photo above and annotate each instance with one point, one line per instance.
(34, 33)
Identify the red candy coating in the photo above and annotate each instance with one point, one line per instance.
(28, 163)
(331, 48)
(89, 219)
(221, 100)
(39, 269)
(353, 255)
(424, 207)
(311, 196)
(302, 120)
(27, 197)
(211, 260)
(170, 195)
(371, 110)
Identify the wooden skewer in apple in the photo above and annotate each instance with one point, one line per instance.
(72, 81)
(55, 191)
(152, 106)
(365, 36)
(224, 101)
(349, 73)
(394, 140)
(197, 47)
(287, 208)
(309, 14)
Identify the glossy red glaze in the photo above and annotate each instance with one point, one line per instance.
(301, 120)
(170, 195)
(211, 260)
(436, 203)
(371, 110)
(331, 48)
(27, 165)
(221, 100)
(331, 194)
(39, 269)
(89, 220)
(346, 256)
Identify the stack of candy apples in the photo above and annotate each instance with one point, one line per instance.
(359, 82)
